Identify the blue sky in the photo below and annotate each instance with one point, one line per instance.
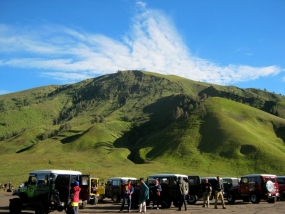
(226, 42)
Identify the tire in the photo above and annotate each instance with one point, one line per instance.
(115, 198)
(192, 199)
(166, 203)
(254, 198)
(231, 197)
(39, 209)
(92, 201)
(69, 210)
(271, 200)
(15, 206)
(282, 196)
(270, 186)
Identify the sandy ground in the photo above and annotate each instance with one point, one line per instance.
(108, 207)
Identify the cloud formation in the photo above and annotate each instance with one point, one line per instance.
(152, 44)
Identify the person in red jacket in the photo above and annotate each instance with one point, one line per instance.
(75, 190)
(128, 190)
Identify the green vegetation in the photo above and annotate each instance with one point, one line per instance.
(136, 123)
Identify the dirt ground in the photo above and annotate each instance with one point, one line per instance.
(108, 207)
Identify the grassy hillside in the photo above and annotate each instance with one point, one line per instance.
(136, 123)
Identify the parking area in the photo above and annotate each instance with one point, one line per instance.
(108, 207)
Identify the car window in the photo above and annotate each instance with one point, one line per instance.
(32, 180)
(42, 180)
(273, 179)
(227, 181)
(281, 180)
(193, 181)
(116, 183)
(244, 180)
(85, 180)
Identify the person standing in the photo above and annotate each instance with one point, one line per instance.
(207, 191)
(182, 191)
(156, 189)
(144, 196)
(219, 189)
(127, 195)
(75, 190)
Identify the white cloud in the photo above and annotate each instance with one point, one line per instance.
(152, 44)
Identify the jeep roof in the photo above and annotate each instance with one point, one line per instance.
(56, 171)
(263, 175)
(167, 175)
(122, 178)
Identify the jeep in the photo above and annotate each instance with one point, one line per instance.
(255, 187)
(168, 185)
(114, 189)
(281, 185)
(47, 191)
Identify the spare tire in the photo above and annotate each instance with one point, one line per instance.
(270, 186)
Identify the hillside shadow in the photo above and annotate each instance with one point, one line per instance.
(73, 137)
(161, 116)
(280, 132)
(25, 149)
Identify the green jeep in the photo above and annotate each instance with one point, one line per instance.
(47, 191)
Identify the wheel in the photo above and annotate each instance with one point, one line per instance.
(282, 196)
(192, 199)
(231, 197)
(271, 200)
(166, 203)
(270, 186)
(254, 198)
(69, 210)
(39, 209)
(92, 200)
(115, 198)
(15, 206)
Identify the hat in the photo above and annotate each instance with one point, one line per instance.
(76, 183)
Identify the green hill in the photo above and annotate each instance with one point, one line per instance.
(135, 123)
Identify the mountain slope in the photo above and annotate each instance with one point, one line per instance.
(145, 121)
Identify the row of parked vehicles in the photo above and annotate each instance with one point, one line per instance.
(49, 190)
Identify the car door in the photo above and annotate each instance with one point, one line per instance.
(84, 185)
(108, 188)
(244, 189)
(101, 187)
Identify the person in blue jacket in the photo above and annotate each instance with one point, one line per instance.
(144, 196)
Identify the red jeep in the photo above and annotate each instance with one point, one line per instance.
(255, 187)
